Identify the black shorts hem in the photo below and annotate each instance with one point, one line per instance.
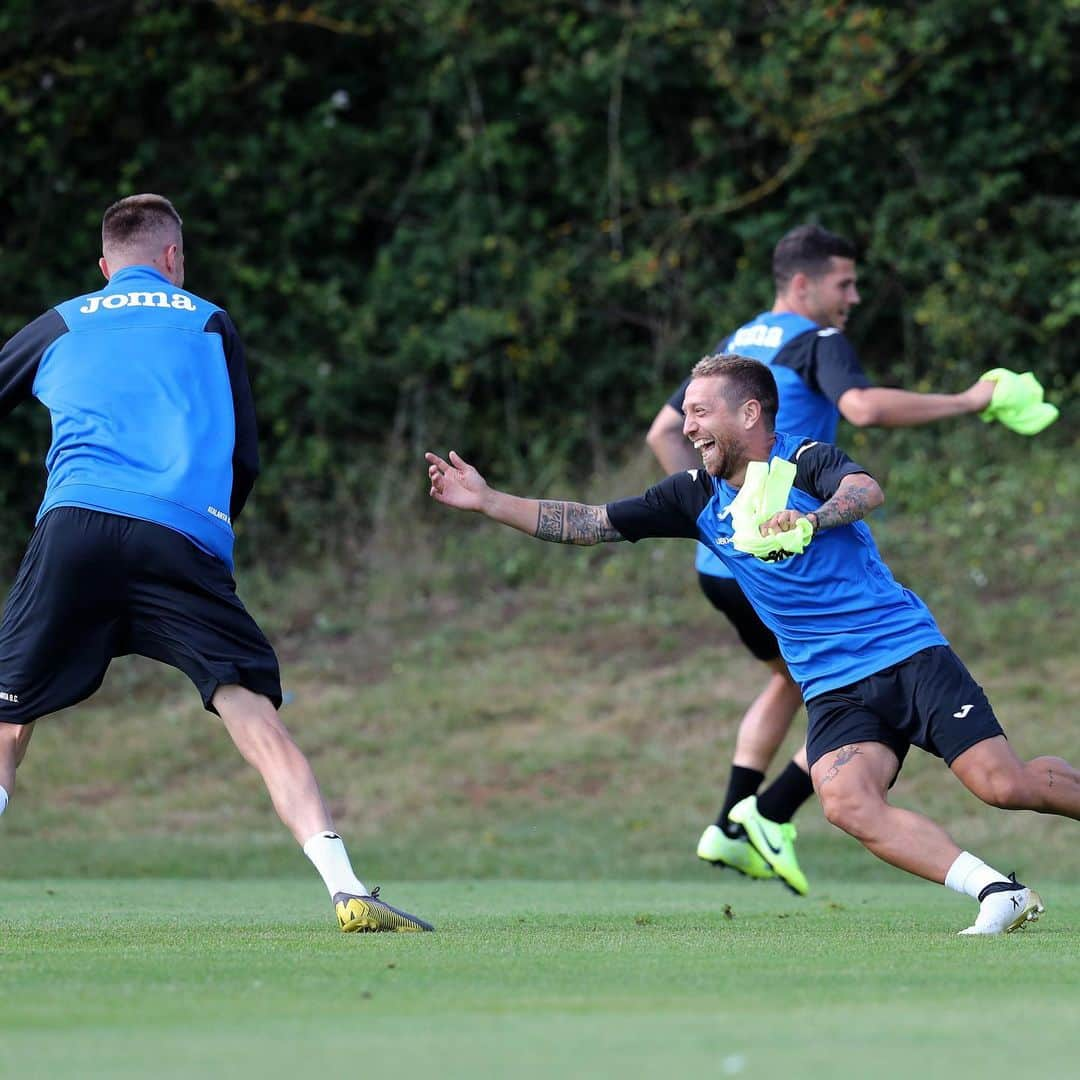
(209, 687)
(898, 746)
(976, 738)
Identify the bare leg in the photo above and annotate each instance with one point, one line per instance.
(768, 720)
(992, 771)
(260, 736)
(852, 783)
(14, 739)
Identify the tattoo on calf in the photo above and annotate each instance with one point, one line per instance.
(574, 523)
(843, 756)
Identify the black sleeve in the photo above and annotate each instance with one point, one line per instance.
(246, 447)
(819, 468)
(676, 399)
(670, 508)
(836, 367)
(20, 357)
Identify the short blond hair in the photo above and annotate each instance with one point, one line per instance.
(744, 379)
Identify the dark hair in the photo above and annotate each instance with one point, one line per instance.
(133, 221)
(807, 249)
(744, 379)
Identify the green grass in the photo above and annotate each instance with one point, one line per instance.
(629, 978)
(584, 733)
(523, 743)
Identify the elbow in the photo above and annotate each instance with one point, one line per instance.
(658, 436)
(858, 408)
(861, 415)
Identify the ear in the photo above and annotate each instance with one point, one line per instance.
(751, 413)
(104, 267)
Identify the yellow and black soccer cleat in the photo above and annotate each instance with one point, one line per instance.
(774, 841)
(369, 915)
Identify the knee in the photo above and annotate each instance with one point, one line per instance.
(1004, 788)
(851, 811)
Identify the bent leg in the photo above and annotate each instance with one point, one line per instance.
(767, 721)
(852, 783)
(14, 739)
(992, 770)
(263, 740)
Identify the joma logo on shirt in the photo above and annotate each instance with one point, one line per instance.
(137, 299)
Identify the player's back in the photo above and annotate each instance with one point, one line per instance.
(138, 388)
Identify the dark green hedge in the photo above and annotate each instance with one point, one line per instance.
(514, 226)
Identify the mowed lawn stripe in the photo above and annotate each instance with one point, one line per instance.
(526, 978)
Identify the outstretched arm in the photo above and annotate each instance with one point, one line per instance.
(883, 406)
(456, 483)
(856, 496)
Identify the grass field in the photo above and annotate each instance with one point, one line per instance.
(523, 743)
(530, 979)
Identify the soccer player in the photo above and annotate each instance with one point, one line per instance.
(153, 456)
(820, 379)
(874, 669)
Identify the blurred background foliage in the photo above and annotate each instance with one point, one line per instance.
(511, 228)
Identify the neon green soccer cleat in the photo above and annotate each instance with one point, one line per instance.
(719, 849)
(774, 841)
(370, 915)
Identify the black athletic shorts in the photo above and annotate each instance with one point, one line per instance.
(725, 595)
(93, 586)
(929, 700)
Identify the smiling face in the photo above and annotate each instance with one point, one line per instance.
(828, 298)
(718, 429)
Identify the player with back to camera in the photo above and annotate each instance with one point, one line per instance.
(875, 671)
(153, 456)
(819, 379)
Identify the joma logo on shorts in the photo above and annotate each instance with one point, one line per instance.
(7, 695)
(137, 299)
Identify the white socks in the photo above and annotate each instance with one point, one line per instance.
(328, 855)
(3, 800)
(970, 875)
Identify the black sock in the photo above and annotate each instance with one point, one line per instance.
(780, 800)
(742, 782)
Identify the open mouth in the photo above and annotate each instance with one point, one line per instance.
(703, 446)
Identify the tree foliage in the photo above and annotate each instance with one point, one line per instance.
(513, 227)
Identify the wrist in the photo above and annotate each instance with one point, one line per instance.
(813, 519)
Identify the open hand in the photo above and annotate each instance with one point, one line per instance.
(455, 482)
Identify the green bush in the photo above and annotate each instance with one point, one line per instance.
(513, 227)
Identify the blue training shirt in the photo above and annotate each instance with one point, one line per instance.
(836, 610)
(813, 366)
(152, 416)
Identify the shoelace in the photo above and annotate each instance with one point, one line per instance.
(1001, 886)
(375, 892)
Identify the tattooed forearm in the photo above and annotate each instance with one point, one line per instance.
(549, 521)
(843, 756)
(574, 523)
(854, 499)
